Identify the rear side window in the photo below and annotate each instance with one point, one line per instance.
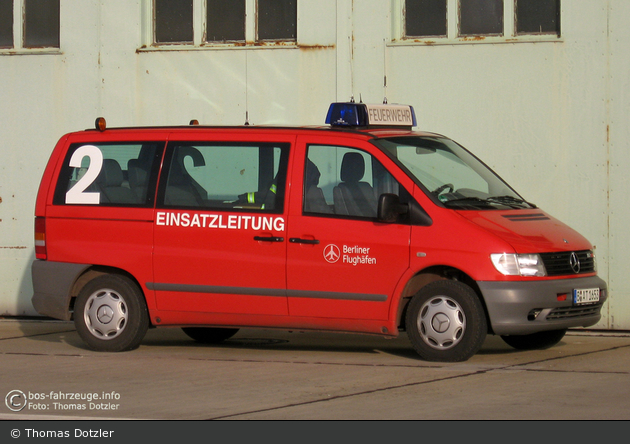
(230, 176)
(111, 174)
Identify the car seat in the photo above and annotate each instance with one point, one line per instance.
(353, 196)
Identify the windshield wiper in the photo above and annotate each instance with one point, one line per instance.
(472, 201)
(508, 201)
(511, 200)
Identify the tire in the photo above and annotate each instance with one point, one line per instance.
(110, 314)
(446, 322)
(535, 341)
(209, 335)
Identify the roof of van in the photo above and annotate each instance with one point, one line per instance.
(369, 132)
(367, 120)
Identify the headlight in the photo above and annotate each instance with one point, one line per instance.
(592, 255)
(519, 264)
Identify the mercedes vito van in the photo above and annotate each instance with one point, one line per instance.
(363, 225)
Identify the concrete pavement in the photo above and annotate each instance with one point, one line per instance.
(277, 375)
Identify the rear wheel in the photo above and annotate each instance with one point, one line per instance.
(535, 341)
(446, 322)
(110, 314)
(210, 335)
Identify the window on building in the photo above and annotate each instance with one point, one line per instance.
(173, 21)
(538, 17)
(225, 20)
(41, 23)
(197, 22)
(277, 19)
(6, 23)
(36, 27)
(470, 18)
(425, 18)
(480, 17)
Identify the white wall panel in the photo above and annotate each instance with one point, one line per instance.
(619, 178)
(549, 116)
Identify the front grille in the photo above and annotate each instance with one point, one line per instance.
(558, 264)
(574, 312)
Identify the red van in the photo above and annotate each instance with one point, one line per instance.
(360, 226)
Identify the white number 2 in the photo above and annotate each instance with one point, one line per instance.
(77, 194)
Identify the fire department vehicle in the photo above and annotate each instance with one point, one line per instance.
(363, 225)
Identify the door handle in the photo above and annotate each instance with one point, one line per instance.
(268, 239)
(297, 240)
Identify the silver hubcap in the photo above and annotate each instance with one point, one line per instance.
(105, 314)
(441, 322)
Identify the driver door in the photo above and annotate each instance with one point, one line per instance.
(341, 262)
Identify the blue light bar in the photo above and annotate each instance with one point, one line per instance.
(351, 114)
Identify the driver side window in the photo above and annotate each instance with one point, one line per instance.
(344, 181)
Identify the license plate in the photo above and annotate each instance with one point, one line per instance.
(585, 296)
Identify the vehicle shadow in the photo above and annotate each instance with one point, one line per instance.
(51, 331)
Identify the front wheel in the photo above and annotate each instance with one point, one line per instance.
(446, 322)
(110, 314)
(535, 341)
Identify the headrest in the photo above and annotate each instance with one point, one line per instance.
(312, 174)
(137, 176)
(111, 174)
(352, 167)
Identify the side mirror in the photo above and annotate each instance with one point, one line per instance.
(389, 208)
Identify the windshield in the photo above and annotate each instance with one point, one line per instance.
(451, 174)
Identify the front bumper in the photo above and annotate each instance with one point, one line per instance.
(511, 304)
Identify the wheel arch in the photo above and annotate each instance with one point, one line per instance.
(93, 272)
(429, 275)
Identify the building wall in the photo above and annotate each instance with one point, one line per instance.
(548, 115)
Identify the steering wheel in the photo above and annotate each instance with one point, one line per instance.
(439, 189)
